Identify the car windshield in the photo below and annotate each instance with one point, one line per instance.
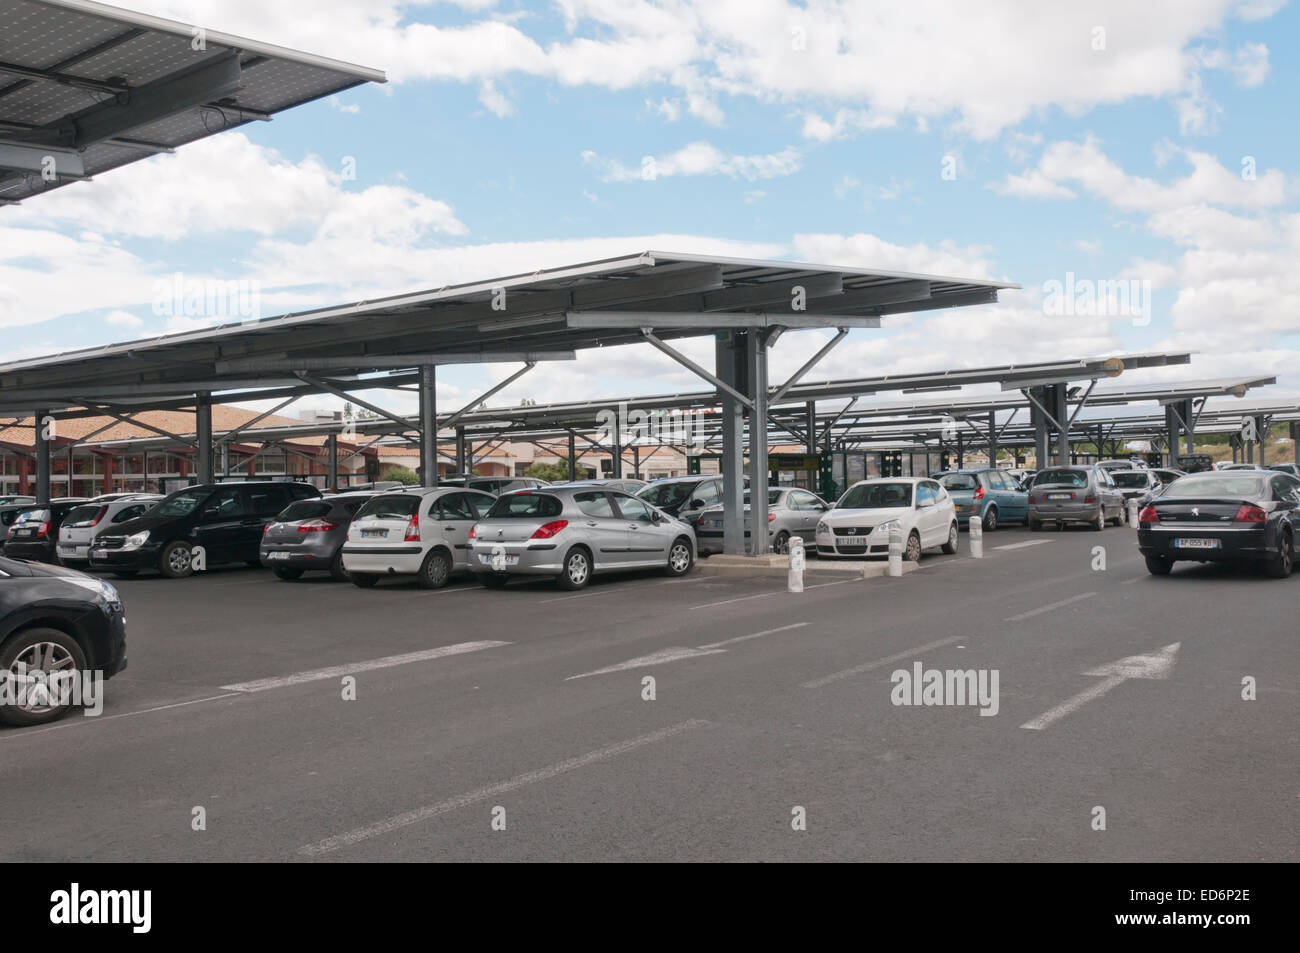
(874, 496)
(525, 506)
(1067, 478)
(181, 503)
(389, 506)
(1235, 485)
(1129, 481)
(667, 494)
(958, 481)
(304, 510)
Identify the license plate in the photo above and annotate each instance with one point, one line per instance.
(1060, 496)
(24, 532)
(1185, 543)
(99, 554)
(506, 560)
(277, 555)
(67, 549)
(853, 540)
(374, 534)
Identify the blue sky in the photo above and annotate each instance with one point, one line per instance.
(512, 136)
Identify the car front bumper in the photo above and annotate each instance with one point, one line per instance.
(146, 557)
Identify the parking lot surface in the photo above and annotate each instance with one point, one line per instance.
(516, 724)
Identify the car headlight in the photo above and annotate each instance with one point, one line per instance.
(822, 527)
(887, 526)
(136, 541)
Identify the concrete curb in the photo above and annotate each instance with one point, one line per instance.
(779, 567)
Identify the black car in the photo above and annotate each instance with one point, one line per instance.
(684, 497)
(1223, 516)
(34, 532)
(57, 625)
(219, 522)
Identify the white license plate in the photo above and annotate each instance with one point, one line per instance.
(278, 555)
(1185, 543)
(374, 534)
(506, 560)
(1060, 496)
(99, 554)
(853, 540)
(67, 549)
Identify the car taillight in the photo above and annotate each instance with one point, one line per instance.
(322, 526)
(771, 517)
(550, 529)
(412, 529)
(979, 493)
(99, 516)
(1148, 515)
(1090, 499)
(1249, 513)
(472, 534)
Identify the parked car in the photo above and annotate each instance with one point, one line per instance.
(790, 512)
(1247, 516)
(1074, 494)
(1193, 462)
(93, 517)
(1128, 463)
(494, 485)
(7, 500)
(1167, 476)
(421, 532)
(684, 498)
(373, 487)
(309, 535)
(1136, 484)
(1236, 466)
(992, 495)
(8, 513)
(1289, 468)
(35, 530)
(572, 533)
(623, 485)
(55, 624)
(860, 522)
(225, 519)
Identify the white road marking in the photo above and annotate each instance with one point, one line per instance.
(1157, 665)
(336, 671)
(881, 662)
(754, 635)
(494, 790)
(1032, 542)
(1055, 605)
(774, 592)
(73, 722)
(677, 653)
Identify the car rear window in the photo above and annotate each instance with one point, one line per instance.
(303, 510)
(83, 514)
(1129, 480)
(958, 481)
(389, 506)
(667, 494)
(1068, 478)
(525, 506)
(1220, 484)
(33, 516)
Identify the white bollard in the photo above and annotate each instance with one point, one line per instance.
(976, 537)
(1133, 513)
(794, 582)
(895, 551)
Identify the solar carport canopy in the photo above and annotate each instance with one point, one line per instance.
(85, 88)
(547, 313)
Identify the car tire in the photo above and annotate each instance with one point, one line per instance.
(990, 520)
(781, 544)
(65, 647)
(1159, 565)
(435, 570)
(577, 569)
(336, 566)
(363, 580)
(1099, 523)
(912, 548)
(680, 557)
(950, 547)
(176, 560)
(494, 580)
(287, 573)
(1280, 564)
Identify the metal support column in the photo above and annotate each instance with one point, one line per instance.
(1039, 421)
(756, 372)
(1295, 442)
(728, 367)
(332, 473)
(1061, 411)
(616, 451)
(203, 438)
(810, 425)
(573, 457)
(993, 438)
(961, 452)
(1172, 435)
(463, 463)
(41, 422)
(428, 425)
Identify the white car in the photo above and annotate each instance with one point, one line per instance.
(859, 524)
(93, 517)
(418, 532)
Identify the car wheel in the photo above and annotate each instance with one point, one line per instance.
(434, 570)
(1279, 565)
(1099, 523)
(782, 542)
(124, 573)
(912, 551)
(577, 569)
(493, 580)
(1159, 565)
(176, 560)
(50, 653)
(950, 547)
(363, 579)
(990, 520)
(287, 573)
(336, 566)
(679, 557)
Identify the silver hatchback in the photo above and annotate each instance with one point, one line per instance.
(572, 533)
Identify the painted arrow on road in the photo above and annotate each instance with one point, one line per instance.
(1155, 665)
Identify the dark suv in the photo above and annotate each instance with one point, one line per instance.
(219, 522)
(34, 532)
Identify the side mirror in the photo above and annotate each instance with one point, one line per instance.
(656, 516)
(696, 503)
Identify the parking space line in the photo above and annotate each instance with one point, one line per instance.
(388, 661)
(754, 635)
(493, 790)
(124, 714)
(1032, 542)
(774, 592)
(1055, 605)
(880, 662)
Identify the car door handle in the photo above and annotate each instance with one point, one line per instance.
(632, 526)
(592, 523)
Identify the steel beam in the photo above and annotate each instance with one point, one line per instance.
(756, 361)
(711, 322)
(203, 437)
(428, 426)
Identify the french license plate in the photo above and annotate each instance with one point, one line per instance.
(507, 560)
(277, 555)
(1193, 543)
(853, 540)
(1060, 496)
(99, 554)
(67, 549)
(374, 534)
(24, 532)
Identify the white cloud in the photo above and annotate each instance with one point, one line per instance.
(349, 108)
(123, 319)
(494, 101)
(698, 158)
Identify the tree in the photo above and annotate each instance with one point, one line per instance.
(557, 472)
(403, 475)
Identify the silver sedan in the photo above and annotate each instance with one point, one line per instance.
(572, 533)
(790, 512)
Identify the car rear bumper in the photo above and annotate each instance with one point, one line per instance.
(403, 558)
(1064, 512)
(37, 552)
(1230, 545)
(73, 552)
(531, 558)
